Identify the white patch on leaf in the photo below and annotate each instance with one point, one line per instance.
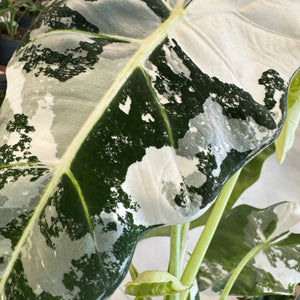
(292, 263)
(220, 134)
(43, 143)
(71, 41)
(280, 271)
(154, 181)
(147, 118)
(288, 215)
(15, 87)
(175, 62)
(16, 192)
(126, 106)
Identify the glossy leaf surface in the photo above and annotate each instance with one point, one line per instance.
(122, 115)
(250, 173)
(273, 270)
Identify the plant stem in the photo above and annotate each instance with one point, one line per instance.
(199, 252)
(175, 251)
(184, 234)
(177, 248)
(175, 255)
(239, 269)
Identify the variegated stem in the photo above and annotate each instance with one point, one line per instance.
(199, 252)
(240, 267)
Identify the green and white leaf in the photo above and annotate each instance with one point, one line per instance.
(250, 173)
(286, 139)
(273, 270)
(122, 115)
(154, 283)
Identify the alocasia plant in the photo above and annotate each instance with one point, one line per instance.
(123, 115)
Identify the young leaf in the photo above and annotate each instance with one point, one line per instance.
(286, 139)
(122, 115)
(275, 269)
(154, 283)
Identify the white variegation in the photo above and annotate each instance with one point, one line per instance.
(233, 40)
(43, 143)
(137, 19)
(276, 263)
(238, 36)
(15, 87)
(288, 216)
(281, 272)
(38, 258)
(212, 133)
(126, 106)
(147, 118)
(157, 178)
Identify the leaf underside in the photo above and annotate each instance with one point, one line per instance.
(112, 127)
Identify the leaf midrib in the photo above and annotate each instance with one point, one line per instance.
(145, 49)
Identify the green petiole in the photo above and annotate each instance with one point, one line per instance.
(199, 252)
(239, 269)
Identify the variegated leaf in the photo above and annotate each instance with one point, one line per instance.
(273, 270)
(122, 115)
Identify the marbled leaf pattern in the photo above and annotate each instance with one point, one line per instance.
(123, 115)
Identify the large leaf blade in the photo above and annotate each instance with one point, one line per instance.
(56, 166)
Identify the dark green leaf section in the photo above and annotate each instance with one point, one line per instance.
(272, 82)
(240, 230)
(83, 277)
(14, 229)
(211, 188)
(57, 13)
(63, 66)
(248, 176)
(117, 141)
(158, 8)
(69, 216)
(19, 151)
(19, 154)
(184, 94)
(196, 89)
